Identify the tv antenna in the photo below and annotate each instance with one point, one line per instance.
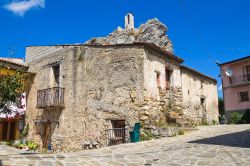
(229, 72)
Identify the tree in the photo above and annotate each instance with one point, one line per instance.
(221, 106)
(11, 86)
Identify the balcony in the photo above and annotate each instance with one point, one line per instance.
(240, 80)
(52, 97)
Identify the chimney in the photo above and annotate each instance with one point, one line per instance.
(129, 21)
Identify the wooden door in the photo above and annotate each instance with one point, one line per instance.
(8, 130)
(5, 130)
(12, 130)
(47, 128)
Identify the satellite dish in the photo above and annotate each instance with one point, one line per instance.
(229, 72)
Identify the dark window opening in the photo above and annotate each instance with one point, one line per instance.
(128, 19)
(243, 96)
(118, 123)
(167, 78)
(158, 79)
(56, 72)
(202, 101)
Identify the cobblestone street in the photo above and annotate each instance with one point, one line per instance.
(210, 145)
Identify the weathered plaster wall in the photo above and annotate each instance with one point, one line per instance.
(175, 92)
(193, 89)
(211, 93)
(154, 63)
(162, 102)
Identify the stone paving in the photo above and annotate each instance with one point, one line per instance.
(227, 145)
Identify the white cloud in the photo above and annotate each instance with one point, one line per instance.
(21, 7)
(220, 87)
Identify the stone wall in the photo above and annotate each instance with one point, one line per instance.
(194, 88)
(161, 101)
(101, 84)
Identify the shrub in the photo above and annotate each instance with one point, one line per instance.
(25, 131)
(147, 135)
(214, 122)
(19, 145)
(221, 106)
(181, 132)
(235, 118)
(32, 145)
(246, 117)
(204, 123)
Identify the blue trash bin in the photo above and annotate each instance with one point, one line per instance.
(135, 134)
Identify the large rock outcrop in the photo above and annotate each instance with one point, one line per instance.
(153, 31)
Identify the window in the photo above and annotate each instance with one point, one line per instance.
(202, 101)
(56, 73)
(202, 82)
(167, 78)
(158, 79)
(128, 19)
(118, 123)
(246, 73)
(243, 96)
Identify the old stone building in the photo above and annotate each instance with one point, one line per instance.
(81, 91)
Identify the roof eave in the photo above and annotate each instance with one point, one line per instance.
(199, 73)
(235, 61)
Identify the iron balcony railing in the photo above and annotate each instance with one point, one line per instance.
(240, 79)
(117, 136)
(52, 97)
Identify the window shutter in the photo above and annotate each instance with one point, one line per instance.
(244, 69)
(238, 97)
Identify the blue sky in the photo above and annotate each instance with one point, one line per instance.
(203, 32)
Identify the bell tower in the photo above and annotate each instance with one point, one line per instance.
(129, 21)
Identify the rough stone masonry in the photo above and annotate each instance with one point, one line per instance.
(131, 75)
